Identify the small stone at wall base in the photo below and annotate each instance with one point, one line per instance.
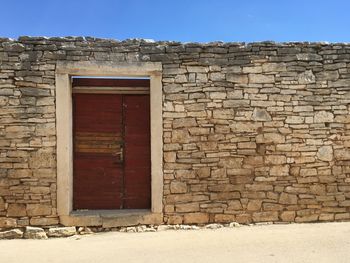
(35, 233)
(11, 234)
(61, 231)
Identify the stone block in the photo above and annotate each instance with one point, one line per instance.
(11, 234)
(237, 78)
(34, 233)
(177, 187)
(269, 216)
(279, 170)
(325, 153)
(323, 116)
(61, 231)
(288, 199)
(254, 205)
(203, 172)
(261, 115)
(44, 221)
(7, 222)
(288, 216)
(269, 138)
(196, 218)
(306, 77)
(275, 159)
(184, 122)
(261, 78)
(234, 205)
(39, 210)
(16, 210)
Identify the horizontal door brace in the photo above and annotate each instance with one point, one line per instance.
(110, 90)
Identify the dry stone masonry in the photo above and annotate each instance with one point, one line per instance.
(252, 132)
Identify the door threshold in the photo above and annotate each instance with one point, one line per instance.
(112, 218)
(110, 212)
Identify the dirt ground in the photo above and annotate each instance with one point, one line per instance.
(322, 242)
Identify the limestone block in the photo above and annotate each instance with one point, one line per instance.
(307, 218)
(295, 120)
(196, 218)
(7, 222)
(270, 137)
(34, 233)
(303, 109)
(181, 136)
(46, 129)
(261, 78)
(189, 207)
(252, 69)
(188, 174)
(224, 218)
(323, 116)
(275, 159)
(198, 131)
(325, 153)
(327, 75)
(309, 57)
(42, 159)
(223, 114)
(184, 122)
(237, 78)
(272, 207)
(265, 216)
(254, 205)
(342, 154)
(61, 231)
(38, 210)
(174, 220)
(169, 157)
(177, 187)
(274, 67)
(11, 234)
(218, 173)
(279, 170)
(234, 205)
(339, 83)
(288, 199)
(288, 216)
(235, 103)
(44, 221)
(318, 189)
(245, 126)
(254, 161)
(203, 172)
(236, 94)
(239, 171)
(16, 210)
(261, 115)
(217, 76)
(306, 77)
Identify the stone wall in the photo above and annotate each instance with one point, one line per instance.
(252, 132)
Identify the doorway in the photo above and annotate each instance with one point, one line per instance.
(111, 144)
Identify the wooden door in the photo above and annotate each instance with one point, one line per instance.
(111, 151)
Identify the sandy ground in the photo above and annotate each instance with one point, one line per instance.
(323, 242)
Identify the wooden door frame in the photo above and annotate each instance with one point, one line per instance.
(64, 116)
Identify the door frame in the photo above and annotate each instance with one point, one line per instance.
(64, 131)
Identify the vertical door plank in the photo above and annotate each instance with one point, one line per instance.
(137, 173)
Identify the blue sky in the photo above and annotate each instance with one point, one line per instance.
(180, 20)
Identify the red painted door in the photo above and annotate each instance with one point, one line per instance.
(111, 151)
